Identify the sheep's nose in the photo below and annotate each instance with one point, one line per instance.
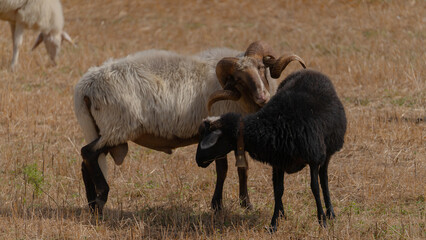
(263, 98)
(204, 164)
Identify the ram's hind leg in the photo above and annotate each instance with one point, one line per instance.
(278, 182)
(93, 177)
(325, 192)
(221, 171)
(316, 192)
(90, 187)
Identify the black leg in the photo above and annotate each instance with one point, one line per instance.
(316, 192)
(221, 171)
(244, 198)
(90, 187)
(90, 160)
(278, 182)
(325, 192)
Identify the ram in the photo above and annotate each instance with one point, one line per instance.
(42, 15)
(304, 123)
(157, 99)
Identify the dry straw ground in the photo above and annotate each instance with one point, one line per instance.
(373, 50)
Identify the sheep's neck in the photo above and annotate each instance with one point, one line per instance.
(240, 155)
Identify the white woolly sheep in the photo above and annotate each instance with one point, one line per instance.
(42, 15)
(157, 98)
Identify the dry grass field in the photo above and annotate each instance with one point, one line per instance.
(373, 50)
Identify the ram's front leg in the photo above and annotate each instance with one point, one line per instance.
(96, 186)
(17, 35)
(244, 198)
(221, 171)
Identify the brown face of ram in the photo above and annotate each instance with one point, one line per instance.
(251, 81)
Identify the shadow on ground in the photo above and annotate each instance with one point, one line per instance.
(162, 220)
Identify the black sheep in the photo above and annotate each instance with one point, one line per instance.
(303, 124)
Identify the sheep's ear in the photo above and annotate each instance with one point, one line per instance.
(67, 38)
(39, 39)
(211, 139)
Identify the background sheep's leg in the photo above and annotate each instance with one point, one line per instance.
(316, 192)
(17, 35)
(324, 186)
(244, 198)
(278, 181)
(90, 187)
(221, 171)
(90, 160)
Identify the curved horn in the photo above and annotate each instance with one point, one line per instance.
(222, 95)
(258, 49)
(277, 66)
(225, 68)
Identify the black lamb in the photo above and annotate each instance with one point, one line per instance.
(303, 124)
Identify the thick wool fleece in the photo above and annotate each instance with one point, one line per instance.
(305, 119)
(151, 92)
(43, 15)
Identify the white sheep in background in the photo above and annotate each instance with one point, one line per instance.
(42, 15)
(157, 99)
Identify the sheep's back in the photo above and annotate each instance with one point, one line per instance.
(44, 15)
(322, 99)
(214, 55)
(151, 92)
(304, 119)
(11, 5)
(8, 8)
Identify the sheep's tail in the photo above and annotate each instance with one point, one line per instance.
(82, 106)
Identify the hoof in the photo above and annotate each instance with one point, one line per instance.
(323, 222)
(216, 205)
(93, 207)
(246, 205)
(96, 207)
(100, 203)
(331, 215)
(271, 229)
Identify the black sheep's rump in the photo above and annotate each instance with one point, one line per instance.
(303, 123)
